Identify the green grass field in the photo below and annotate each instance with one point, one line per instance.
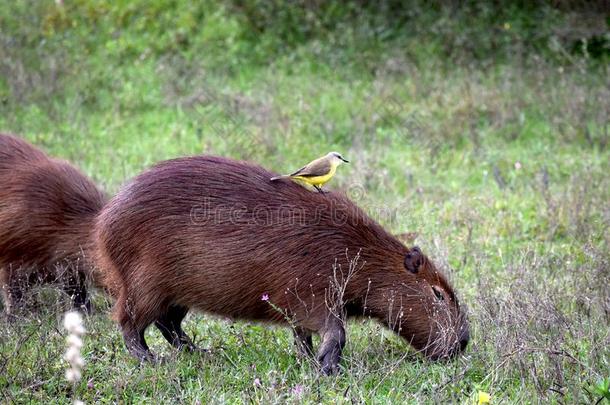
(495, 150)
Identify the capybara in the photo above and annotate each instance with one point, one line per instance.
(215, 235)
(47, 210)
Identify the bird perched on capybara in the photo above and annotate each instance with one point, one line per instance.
(215, 235)
(47, 209)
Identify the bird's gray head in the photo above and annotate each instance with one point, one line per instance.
(337, 157)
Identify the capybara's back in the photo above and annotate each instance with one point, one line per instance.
(47, 208)
(216, 235)
(15, 151)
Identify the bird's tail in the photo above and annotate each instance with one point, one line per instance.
(285, 176)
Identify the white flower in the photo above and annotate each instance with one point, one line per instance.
(73, 375)
(73, 322)
(74, 341)
(72, 355)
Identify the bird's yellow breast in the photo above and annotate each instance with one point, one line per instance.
(319, 180)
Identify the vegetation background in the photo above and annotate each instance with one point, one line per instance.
(482, 126)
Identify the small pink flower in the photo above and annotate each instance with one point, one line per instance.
(517, 165)
(265, 297)
(297, 390)
(257, 382)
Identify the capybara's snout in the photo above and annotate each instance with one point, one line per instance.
(452, 344)
(464, 338)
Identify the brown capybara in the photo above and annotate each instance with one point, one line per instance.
(47, 210)
(215, 235)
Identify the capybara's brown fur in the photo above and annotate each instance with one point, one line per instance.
(47, 210)
(216, 235)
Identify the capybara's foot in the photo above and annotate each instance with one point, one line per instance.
(170, 326)
(329, 362)
(85, 307)
(143, 355)
(81, 302)
(331, 346)
(136, 345)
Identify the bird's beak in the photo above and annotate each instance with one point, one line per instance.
(345, 160)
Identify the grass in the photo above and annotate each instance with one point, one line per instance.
(499, 166)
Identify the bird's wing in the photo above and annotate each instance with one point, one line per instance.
(318, 167)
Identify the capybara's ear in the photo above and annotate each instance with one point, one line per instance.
(413, 259)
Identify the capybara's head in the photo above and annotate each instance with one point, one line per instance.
(421, 306)
(441, 329)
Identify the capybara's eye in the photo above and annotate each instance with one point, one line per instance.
(438, 293)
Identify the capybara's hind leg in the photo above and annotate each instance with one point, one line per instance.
(12, 293)
(133, 331)
(76, 288)
(303, 341)
(13, 301)
(136, 345)
(170, 326)
(332, 342)
(4, 290)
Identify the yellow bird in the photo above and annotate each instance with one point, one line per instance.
(317, 172)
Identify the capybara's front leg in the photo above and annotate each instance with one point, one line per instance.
(332, 342)
(170, 326)
(303, 340)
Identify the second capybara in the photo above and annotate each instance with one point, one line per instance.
(215, 235)
(47, 210)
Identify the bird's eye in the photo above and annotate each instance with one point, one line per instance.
(438, 293)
